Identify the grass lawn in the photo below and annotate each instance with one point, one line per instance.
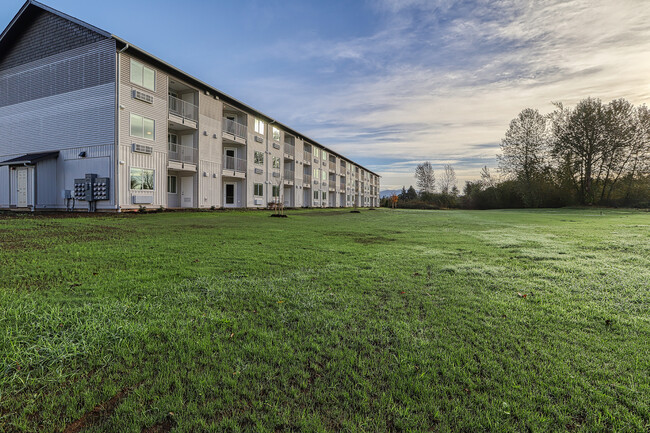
(326, 321)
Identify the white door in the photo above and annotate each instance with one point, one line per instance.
(230, 192)
(187, 191)
(21, 187)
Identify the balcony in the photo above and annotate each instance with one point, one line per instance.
(342, 187)
(332, 185)
(182, 157)
(234, 167)
(332, 166)
(289, 176)
(306, 180)
(289, 150)
(307, 157)
(234, 131)
(182, 114)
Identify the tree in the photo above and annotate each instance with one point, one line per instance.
(486, 178)
(448, 181)
(411, 194)
(525, 145)
(426, 178)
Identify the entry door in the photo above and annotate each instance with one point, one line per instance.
(187, 191)
(230, 194)
(21, 187)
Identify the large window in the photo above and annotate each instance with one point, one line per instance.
(276, 162)
(276, 134)
(258, 157)
(276, 191)
(142, 75)
(142, 127)
(258, 189)
(316, 173)
(324, 195)
(323, 175)
(324, 155)
(171, 184)
(315, 195)
(259, 126)
(142, 179)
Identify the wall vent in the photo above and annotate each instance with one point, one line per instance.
(276, 146)
(141, 148)
(259, 171)
(259, 139)
(141, 96)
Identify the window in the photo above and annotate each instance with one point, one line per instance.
(171, 184)
(276, 191)
(258, 189)
(324, 155)
(142, 179)
(323, 175)
(315, 195)
(316, 173)
(276, 134)
(142, 127)
(259, 126)
(276, 162)
(258, 157)
(143, 76)
(324, 195)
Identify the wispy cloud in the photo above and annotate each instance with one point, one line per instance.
(440, 80)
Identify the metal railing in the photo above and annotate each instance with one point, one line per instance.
(306, 178)
(234, 128)
(342, 187)
(288, 174)
(332, 166)
(183, 109)
(332, 184)
(235, 164)
(180, 153)
(289, 149)
(307, 156)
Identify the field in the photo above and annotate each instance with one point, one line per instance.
(326, 321)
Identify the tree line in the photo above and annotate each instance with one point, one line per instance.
(593, 154)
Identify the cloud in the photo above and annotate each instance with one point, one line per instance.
(440, 80)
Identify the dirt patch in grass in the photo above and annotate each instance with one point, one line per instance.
(163, 426)
(99, 412)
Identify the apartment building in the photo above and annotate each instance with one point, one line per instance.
(90, 121)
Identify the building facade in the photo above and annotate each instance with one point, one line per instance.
(88, 120)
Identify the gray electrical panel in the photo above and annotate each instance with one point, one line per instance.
(92, 188)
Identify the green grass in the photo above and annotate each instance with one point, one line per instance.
(327, 321)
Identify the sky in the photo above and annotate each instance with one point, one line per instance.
(393, 83)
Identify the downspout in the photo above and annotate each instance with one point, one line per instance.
(116, 183)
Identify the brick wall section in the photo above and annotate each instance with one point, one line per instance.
(44, 34)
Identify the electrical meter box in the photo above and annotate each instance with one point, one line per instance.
(92, 188)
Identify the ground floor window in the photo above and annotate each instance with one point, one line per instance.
(142, 178)
(258, 189)
(315, 195)
(276, 191)
(324, 195)
(171, 184)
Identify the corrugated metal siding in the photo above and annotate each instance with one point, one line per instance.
(4, 186)
(46, 188)
(82, 68)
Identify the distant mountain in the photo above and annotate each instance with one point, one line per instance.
(389, 192)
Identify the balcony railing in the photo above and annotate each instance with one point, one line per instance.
(332, 184)
(235, 164)
(332, 166)
(289, 149)
(234, 128)
(288, 174)
(342, 187)
(307, 156)
(180, 153)
(306, 178)
(183, 109)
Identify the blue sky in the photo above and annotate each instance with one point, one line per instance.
(392, 83)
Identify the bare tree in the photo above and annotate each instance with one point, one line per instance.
(487, 181)
(448, 180)
(525, 146)
(426, 178)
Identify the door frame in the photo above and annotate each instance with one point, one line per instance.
(184, 180)
(19, 171)
(234, 194)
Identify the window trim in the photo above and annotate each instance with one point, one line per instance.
(153, 178)
(153, 130)
(141, 84)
